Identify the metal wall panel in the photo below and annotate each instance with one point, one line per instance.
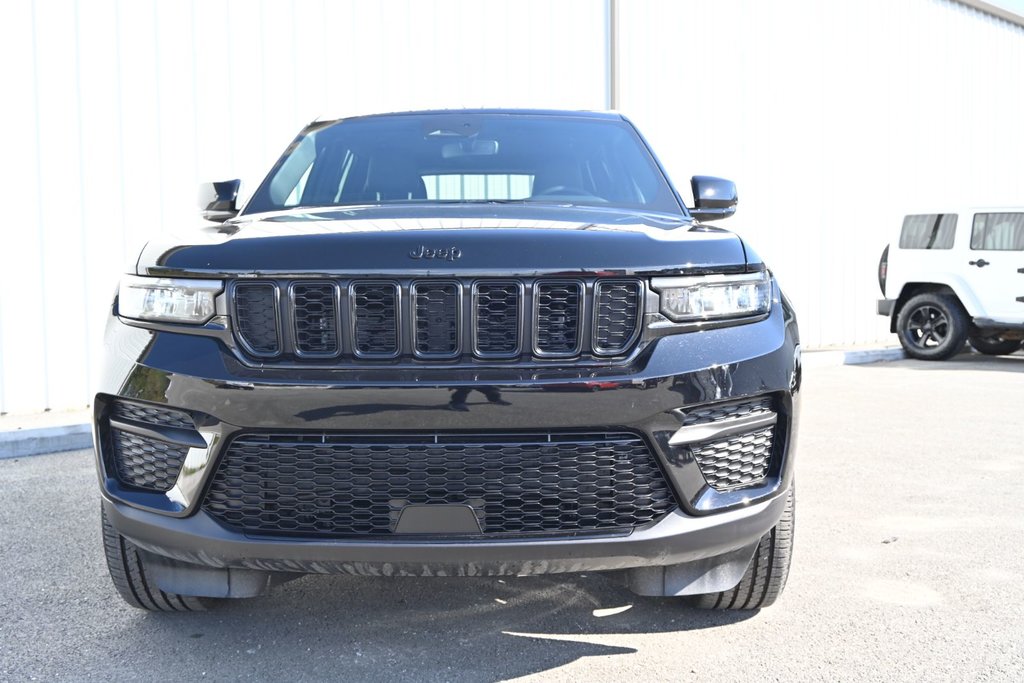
(114, 110)
(834, 118)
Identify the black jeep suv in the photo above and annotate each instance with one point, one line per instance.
(463, 343)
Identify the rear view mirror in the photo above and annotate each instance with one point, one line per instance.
(713, 198)
(217, 201)
(469, 148)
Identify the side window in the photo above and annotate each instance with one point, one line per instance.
(998, 232)
(928, 231)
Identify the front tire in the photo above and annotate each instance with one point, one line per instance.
(765, 578)
(127, 571)
(932, 326)
(994, 346)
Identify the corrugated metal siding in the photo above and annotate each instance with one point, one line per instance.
(115, 110)
(834, 118)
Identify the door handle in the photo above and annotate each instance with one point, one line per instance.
(981, 263)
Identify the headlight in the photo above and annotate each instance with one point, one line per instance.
(713, 297)
(169, 300)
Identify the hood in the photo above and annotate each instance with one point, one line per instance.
(446, 240)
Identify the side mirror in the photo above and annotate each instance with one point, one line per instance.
(217, 201)
(714, 198)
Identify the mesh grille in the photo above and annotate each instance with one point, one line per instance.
(146, 463)
(436, 312)
(558, 317)
(315, 308)
(618, 306)
(737, 461)
(714, 413)
(497, 318)
(375, 309)
(151, 415)
(256, 314)
(322, 485)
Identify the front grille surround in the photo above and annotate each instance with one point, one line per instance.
(336, 485)
(333, 321)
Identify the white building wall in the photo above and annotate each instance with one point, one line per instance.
(834, 118)
(114, 110)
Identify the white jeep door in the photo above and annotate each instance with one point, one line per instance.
(995, 263)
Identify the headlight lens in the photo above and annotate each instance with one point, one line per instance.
(713, 297)
(166, 299)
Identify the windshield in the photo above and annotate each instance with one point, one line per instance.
(467, 157)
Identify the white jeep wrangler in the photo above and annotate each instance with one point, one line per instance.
(956, 277)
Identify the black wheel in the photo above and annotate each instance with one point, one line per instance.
(994, 346)
(129, 576)
(932, 327)
(766, 576)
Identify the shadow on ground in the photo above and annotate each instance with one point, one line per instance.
(477, 629)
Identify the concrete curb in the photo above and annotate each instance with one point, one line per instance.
(827, 358)
(19, 443)
(872, 356)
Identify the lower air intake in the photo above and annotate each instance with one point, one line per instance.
(736, 460)
(319, 485)
(146, 463)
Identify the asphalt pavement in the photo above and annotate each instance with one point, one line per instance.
(909, 565)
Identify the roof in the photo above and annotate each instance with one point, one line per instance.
(610, 115)
(994, 9)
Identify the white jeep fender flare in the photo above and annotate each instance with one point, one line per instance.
(960, 288)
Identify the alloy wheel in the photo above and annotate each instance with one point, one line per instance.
(928, 326)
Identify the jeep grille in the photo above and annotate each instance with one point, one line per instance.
(367, 320)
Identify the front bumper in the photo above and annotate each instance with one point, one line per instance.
(677, 538)
(226, 398)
